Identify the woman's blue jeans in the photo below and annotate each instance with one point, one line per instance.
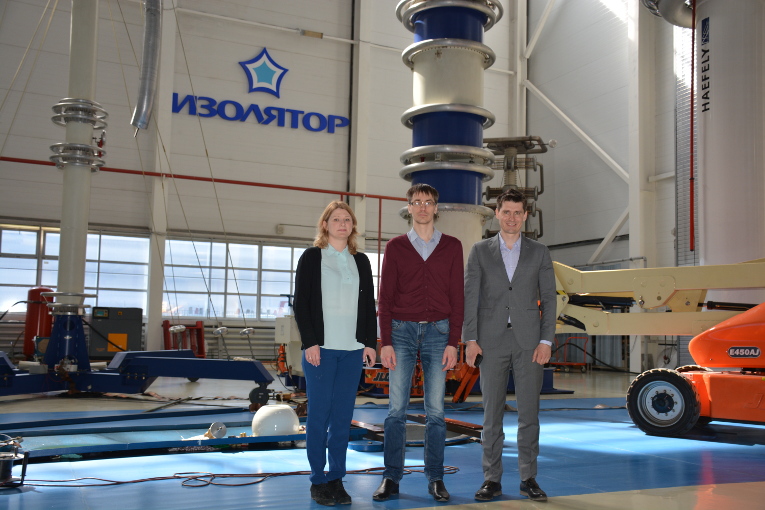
(429, 340)
(331, 389)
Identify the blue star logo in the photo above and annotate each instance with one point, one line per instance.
(263, 73)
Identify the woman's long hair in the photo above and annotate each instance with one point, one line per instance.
(322, 234)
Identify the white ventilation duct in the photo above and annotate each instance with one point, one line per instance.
(152, 38)
(677, 12)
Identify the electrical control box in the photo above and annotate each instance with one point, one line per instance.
(288, 335)
(114, 330)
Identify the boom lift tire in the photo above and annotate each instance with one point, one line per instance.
(692, 368)
(662, 402)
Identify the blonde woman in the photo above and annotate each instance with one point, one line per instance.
(335, 312)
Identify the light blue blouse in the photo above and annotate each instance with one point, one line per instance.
(340, 299)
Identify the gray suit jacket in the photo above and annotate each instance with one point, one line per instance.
(490, 298)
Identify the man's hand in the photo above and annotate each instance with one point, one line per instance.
(542, 354)
(388, 357)
(450, 358)
(472, 350)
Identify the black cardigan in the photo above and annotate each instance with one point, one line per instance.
(308, 301)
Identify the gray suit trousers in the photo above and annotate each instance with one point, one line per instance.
(498, 359)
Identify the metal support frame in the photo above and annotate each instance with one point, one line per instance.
(130, 372)
(682, 290)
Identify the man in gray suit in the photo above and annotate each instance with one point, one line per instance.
(510, 322)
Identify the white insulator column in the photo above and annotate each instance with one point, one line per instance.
(448, 59)
(730, 107)
(77, 176)
(454, 76)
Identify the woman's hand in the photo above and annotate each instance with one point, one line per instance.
(370, 356)
(313, 355)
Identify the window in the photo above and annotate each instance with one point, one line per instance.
(116, 267)
(373, 258)
(209, 279)
(18, 266)
(202, 278)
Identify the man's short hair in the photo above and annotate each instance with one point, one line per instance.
(512, 195)
(426, 189)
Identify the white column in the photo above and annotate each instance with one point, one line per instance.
(465, 226)
(76, 192)
(518, 34)
(641, 154)
(158, 199)
(360, 115)
(730, 108)
(154, 339)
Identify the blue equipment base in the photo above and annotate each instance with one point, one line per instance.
(130, 372)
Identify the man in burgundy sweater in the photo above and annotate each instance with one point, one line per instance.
(421, 306)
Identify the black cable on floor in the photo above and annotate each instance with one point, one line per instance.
(202, 479)
(596, 359)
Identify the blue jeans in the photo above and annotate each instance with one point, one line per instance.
(430, 341)
(331, 389)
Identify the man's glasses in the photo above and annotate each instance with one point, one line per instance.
(420, 203)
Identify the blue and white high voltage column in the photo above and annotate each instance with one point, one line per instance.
(448, 60)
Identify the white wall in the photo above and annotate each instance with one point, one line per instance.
(581, 64)
(212, 38)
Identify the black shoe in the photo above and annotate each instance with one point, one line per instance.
(322, 494)
(386, 489)
(338, 492)
(531, 489)
(488, 491)
(438, 490)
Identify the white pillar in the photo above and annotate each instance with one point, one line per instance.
(158, 199)
(730, 108)
(154, 339)
(641, 153)
(466, 225)
(360, 115)
(76, 192)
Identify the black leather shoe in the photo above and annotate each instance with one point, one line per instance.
(438, 490)
(386, 489)
(338, 492)
(488, 491)
(322, 494)
(531, 489)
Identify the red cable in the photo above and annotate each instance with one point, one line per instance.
(693, 109)
(211, 179)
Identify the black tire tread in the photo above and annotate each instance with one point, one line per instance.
(692, 368)
(692, 405)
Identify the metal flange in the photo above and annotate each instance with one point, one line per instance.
(489, 57)
(522, 144)
(447, 153)
(406, 9)
(79, 110)
(480, 210)
(68, 308)
(407, 171)
(408, 115)
(77, 154)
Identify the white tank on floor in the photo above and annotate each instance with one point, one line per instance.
(275, 420)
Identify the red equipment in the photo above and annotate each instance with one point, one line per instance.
(566, 365)
(671, 402)
(39, 321)
(193, 337)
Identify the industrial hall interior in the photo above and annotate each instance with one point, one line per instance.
(185, 185)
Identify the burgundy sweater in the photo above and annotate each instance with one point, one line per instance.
(412, 289)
